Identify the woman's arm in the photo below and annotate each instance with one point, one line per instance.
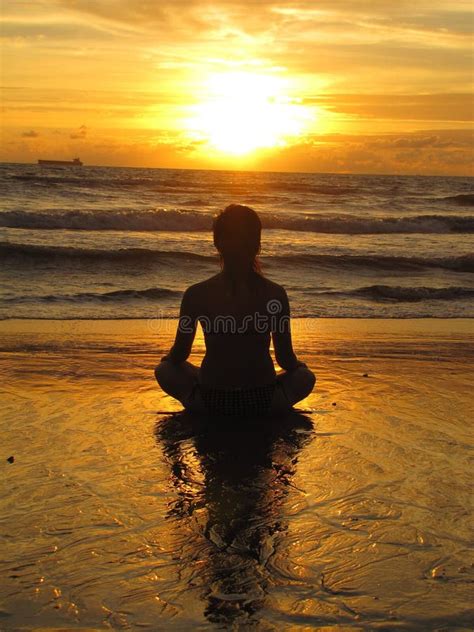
(186, 331)
(281, 335)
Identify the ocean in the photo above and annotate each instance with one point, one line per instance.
(115, 243)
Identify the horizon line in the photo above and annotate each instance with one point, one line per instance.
(329, 173)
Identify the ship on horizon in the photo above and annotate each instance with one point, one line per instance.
(75, 162)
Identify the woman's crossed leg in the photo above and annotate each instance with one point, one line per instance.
(181, 381)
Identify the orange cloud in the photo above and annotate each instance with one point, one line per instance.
(30, 134)
(80, 133)
(389, 77)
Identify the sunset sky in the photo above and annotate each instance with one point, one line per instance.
(363, 86)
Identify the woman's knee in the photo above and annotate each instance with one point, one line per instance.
(176, 380)
(306, 379)
(297, 384)
(165, 374)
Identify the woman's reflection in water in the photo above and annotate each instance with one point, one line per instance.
(231, 486)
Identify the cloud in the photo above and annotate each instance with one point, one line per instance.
(425, 152)
(442, 151)
(409, 107)
(265, 21)
(80, 133)
(30, 134)
(401, 45)
(440, 140)
(357, 65)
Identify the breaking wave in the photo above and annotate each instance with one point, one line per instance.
(154, 293)
(141, 256)
(189, 221)
(377, 293)
(410, 294)
(463, 263)
(138, 255)
(463, 199)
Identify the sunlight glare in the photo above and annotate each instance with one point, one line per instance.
(247, 111)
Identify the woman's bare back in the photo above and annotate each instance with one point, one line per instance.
(238, 320)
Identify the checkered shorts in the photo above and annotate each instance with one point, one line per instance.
(238, 402)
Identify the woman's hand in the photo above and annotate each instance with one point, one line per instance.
(301, 365)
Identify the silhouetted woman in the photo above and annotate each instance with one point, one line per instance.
(239, 311)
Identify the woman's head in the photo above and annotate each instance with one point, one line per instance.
(237, 231)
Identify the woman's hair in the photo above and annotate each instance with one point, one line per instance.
(237, 231)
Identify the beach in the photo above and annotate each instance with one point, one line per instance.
(353, 516)
(241, 168)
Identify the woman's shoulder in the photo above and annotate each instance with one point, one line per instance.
(210, 285)
(202, 287)
(273, 289)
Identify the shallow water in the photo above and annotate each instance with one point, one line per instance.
(354, 517)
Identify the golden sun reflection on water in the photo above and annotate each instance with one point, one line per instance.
(232, 486)
(247, 111)
(118, 517)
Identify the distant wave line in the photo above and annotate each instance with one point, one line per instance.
(251, 186)
(167, 184)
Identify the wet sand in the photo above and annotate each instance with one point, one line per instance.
(357, 516)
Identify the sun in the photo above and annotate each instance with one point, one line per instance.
(246, 111)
